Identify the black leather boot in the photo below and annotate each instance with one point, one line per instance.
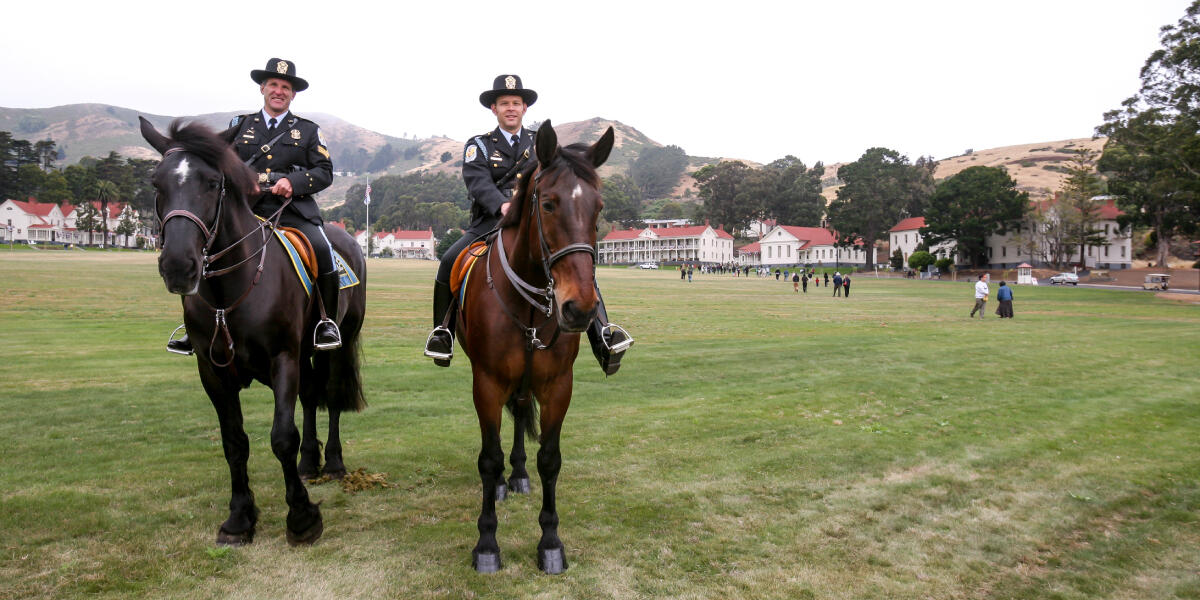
(327, 336)
(609, 341)
(440, 344)
(180, 346)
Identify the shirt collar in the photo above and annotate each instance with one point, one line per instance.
(267, 118)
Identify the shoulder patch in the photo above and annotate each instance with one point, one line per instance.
(236, 121)
(321, 139)
(471, 154)
(479, 143)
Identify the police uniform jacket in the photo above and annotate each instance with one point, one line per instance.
(300, 154)
(487, 159)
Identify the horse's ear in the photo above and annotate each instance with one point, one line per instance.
(546, 143)
(152, 136)
(229, 135)
(599, 151)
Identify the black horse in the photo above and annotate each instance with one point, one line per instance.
(248, 316)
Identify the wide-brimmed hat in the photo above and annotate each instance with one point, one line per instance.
(277, 68)
(507, 85)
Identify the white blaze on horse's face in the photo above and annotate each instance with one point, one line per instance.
(183, 170)
(577, 192)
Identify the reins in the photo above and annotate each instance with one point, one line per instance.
(210, 236)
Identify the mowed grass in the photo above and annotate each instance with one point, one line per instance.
(756, 444)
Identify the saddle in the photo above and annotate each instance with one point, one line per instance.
(463, 264)
(300, 242)
(304, 259)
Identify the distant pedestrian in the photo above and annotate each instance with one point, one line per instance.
(981, 295)
(796, 282)
(682, 271)
(1004, 296)
(826, 278)
(690, 269)
(776, 274)
(837, 284)
(846, 285)
(804, 283)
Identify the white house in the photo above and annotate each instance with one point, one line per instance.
(750, 255)
(401, 243)
(785, 245)
(699, 243)
(33, 221)
(906, 236)
(1030, 243)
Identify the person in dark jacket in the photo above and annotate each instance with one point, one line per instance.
(487, 160)
(837, 284)
(846, 285)
(294, 165)
(1005, 296)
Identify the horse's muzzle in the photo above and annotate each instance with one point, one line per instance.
(181, 274)
(573, 320)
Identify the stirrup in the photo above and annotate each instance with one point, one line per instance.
(439, 355)
(171, 342)
(334, 345)
(620, 346)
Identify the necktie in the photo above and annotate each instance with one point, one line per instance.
(514, 139)
(271, 125)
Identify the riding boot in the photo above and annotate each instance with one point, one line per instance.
(327, 336)
(609, 341)
(440, 344)
(180, 346)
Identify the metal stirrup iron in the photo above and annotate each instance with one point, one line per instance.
(439, 355)
(620, 346)
(329, 345)
(171, 338)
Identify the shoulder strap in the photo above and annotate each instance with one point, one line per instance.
(265, 148)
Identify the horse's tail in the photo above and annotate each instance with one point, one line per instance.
(344, 390)
(524, 411)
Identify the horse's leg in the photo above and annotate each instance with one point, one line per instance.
(554, 397)
(238, 529)
(518, 481)
(334, 467)
(310, 445)
(304, 524)
(488, 406)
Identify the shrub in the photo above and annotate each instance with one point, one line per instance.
(919, 260)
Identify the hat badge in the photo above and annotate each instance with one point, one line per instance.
(510, 82)
(281, 67)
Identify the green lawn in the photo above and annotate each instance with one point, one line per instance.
(756, 444)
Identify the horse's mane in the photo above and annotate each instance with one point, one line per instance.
(198, 139)
(573, 157)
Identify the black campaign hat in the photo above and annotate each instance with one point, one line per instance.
(507, 85)
(277, 68)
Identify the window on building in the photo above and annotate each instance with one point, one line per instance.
(789, 251)
(989, 252)
(1106, 251)
(1122, 251)
(1003, 251)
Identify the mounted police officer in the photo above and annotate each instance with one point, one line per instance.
(292, 161)
(490, 162)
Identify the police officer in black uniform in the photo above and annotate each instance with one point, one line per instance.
(292, 161)
(488, 162)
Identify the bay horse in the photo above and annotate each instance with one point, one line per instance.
(520, 327)
(249, 324)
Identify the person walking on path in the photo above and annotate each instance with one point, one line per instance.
(981, 295)
(826, 278)
(1004, 295)
(846, 285)
(690, 269)
(837, 284)
(796, 282)
(804, 282)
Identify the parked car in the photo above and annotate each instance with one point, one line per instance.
(648, 265)
(1065, 278)
(1156, 281)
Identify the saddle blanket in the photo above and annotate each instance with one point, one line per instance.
(305, 268)
(462, 268)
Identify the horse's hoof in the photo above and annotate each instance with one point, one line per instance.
(225, 538)
(337, 474)
(308, 536)
(307, 476)
(501, 492)
(485, 562)
(519, 486)
(552, 561)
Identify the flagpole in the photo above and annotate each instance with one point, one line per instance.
(367, 202)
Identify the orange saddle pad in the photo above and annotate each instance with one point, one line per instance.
(462, 264)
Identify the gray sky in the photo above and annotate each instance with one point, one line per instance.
(747, 79)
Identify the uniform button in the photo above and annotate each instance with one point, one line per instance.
(268, 157)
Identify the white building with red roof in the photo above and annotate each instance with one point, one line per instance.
(401, 243)
(785, 245)
(46, 222)
(1032, 241)
(693, 243)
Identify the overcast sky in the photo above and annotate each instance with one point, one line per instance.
(747, 79)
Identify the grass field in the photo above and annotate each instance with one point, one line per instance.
(756, 444)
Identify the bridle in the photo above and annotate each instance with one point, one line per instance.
(210, 237)
(524, 288)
